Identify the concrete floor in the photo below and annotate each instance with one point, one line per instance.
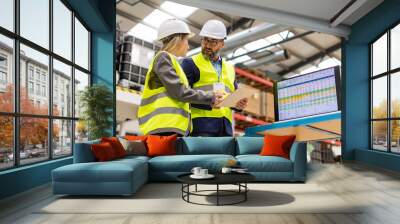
(378, 188)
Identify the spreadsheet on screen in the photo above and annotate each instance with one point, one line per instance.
(307, 95)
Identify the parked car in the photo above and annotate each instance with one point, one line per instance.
(22, 155)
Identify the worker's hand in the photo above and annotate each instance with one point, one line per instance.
(241, 104)
(218, 98)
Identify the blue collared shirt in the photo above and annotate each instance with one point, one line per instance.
(218, 67)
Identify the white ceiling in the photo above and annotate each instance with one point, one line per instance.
(301, 49)
(320, 9)
(313, 15)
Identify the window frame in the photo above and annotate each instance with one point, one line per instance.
(388, 74)
(16, 114)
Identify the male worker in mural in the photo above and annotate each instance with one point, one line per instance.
(208, 71)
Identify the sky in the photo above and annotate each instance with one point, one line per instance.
(35, 27)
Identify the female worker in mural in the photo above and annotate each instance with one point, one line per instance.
(164, 109)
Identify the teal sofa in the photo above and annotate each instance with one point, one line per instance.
(125, 176)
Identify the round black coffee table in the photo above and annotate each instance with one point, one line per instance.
(238, 179)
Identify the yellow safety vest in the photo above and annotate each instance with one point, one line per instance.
(209, 76)
(160, 113)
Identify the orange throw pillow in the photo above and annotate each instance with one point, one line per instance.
(116, 145)
(277, 145)
(135, 138)
(103, 152)
(161, 145)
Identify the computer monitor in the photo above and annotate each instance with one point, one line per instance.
(309, 94)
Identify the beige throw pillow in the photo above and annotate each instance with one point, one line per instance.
(137, 147)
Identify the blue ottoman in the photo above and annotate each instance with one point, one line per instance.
(119, 177)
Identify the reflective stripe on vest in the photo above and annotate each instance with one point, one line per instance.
(160, 113)
(208, 76)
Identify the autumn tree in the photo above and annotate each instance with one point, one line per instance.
(380, 127)
(33, 131)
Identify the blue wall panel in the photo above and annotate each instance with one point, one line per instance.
(24, 178)
(355, 114)
(355, 99)
(379, 159)
(103, 69)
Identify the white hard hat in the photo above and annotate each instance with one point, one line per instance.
(172, 26)
(213, 29)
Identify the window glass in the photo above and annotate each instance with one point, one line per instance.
(7, 14)
(379, 97)
(395, 47)
(6, 142)
(62, 137)
(395, 94)
(81, 131)
(62, 29)
(6, 75)
(81, 45)
(34, 21)
(379, 56)
(39, 61)
(34, 143)
(62, 91)
(379, 135)
(395, 136)
(81, 82)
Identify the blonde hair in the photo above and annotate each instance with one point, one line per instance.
(172, 42)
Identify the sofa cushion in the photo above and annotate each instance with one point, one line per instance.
(112, 171)
(277, 145)
(134, 147)
(116, 145)
(161, 145)
(134, 137)
(249, 145)
(206, 145)
(257, 163)
(133, 157)
(93, 172)
(185, 163)
(103, 152)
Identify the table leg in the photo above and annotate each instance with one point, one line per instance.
(217, 194)
(245, 193)
(188, 190)
(182, 189)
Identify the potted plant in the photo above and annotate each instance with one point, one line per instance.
(96, 103)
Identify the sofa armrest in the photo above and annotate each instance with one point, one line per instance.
(298, 155)
(83, 152)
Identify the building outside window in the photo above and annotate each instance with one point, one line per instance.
(37, 75)
(43, 90)
(30, 87)
(30, 72)
(3, 61)
(3, 72)
(3, 80)
(38, 89)
(43, 78)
